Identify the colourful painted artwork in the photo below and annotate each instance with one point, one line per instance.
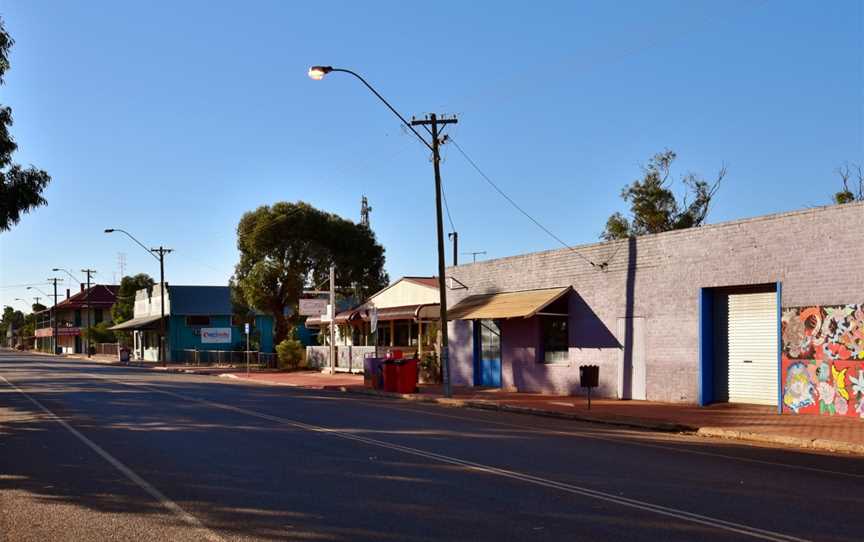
(823, 360)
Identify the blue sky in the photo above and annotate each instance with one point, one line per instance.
(171, 119)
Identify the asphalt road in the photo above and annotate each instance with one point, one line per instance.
(94, 452)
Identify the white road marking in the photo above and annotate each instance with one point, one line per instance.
(167, 503)
(623, 440)
(620, 440)
(683, 515)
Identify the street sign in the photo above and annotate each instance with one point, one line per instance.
(313, 307)
(246, 327)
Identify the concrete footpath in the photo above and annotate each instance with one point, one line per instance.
(732, 421)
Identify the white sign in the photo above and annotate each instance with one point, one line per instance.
(373, 319)
(246, 327)
(313, 307)
(216, 335)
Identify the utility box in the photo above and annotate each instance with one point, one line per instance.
(589, 377)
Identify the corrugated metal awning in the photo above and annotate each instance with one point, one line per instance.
(505, 304)
(136, 323)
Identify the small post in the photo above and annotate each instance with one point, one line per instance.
(246, 326)
(332, 319)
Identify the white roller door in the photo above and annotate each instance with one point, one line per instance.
(753, 348)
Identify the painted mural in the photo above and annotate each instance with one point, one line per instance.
(823, 360)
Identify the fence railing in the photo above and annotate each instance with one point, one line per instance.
(225, 358)
(349, 358)
(107, 349)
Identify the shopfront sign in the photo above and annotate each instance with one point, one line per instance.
(212, 335)
(313, 307)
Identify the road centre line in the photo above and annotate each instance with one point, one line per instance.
(683, 515)
(622, 440)
(166, 503)
(615, 440)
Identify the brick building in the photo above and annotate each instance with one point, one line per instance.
(725, 312)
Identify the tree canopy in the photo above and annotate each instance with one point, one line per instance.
(288, 247)
(20, 188)
(654, 206)
(125, 305)
(851, 193)
(11, 317)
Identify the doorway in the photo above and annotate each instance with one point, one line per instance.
(631, 363)
(487, 354)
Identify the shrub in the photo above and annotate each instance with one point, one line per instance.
(430, 368)
(290, 354)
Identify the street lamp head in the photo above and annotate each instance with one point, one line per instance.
(109, 230)
(318, 72)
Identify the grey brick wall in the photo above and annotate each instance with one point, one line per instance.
(817, 254)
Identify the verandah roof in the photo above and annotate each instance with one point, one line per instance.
(524, 304)
(136, 323)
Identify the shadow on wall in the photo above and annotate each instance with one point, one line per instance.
(589, 331)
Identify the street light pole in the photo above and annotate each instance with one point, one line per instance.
(431, 123)
(54, 280)
(161, 251)
(88, 272)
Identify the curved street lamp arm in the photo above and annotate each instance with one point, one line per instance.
(76, 279)
(140, 244)
(390, 107)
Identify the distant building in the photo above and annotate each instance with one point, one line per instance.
(197, 318)
(72, 315)
(406, 317)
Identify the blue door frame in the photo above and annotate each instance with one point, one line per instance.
(706, 346)
(487, 370)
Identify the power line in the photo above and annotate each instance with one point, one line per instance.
(517, 206)
(447, 207)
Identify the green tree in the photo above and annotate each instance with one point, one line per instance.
(20, 188)
(847, 195)
(653, 205)
(123, 309)
(99, 333)
(11, 318)
(286, 247)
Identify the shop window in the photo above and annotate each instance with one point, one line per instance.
(555, 343)
(383, 333)
(197, 321)
(402, 335)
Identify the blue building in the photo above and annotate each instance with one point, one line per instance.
(196, 318)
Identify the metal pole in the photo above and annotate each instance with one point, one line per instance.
(162, 307)
(442, 287)
(54, 314)
(247, 353)
(87, 308)
(332, 318)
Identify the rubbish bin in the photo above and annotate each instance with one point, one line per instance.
(393, 354)
(390, 368)
(124, 355)
(372, 376)
(407, 375)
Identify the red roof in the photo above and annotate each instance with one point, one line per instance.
(102, 296)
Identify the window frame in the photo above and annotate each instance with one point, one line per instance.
(560, 346)
(190, 317)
